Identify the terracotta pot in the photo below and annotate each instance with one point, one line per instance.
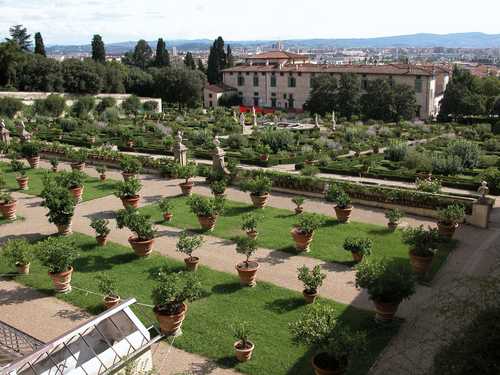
(259, 201)
(111, 301)
(127, 176)
(54, 169)
(62, 281)
(170, 325)
(385, 311)
(22, 182)
(252, 234)
(207, 222)
(392, 226)
(130, 144)
(419, 264)
(299, 210)
(101, 240)
(34, 161)
(308, 162)
(343, 214)
(64, 229)
(264, 157)
(167, 216)
(141, 248)
(102, 177)
(247, 274)
(319, 366)
(23, 269)
(192, 263)
(186, 188)
(77, 193)
(357, 256)
(78, 166)
(131, 201)
(309, 297)
(243, 354)
(220, 195)
(447, 230)
(9, 210)
(302, 239)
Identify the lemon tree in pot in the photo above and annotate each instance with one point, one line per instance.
(19, 253)
(130, 167)
(54, 162)
(128, 192)
(142, 226)
(101, 169)
(423, 245)
(165, 206)
(207, 210)
(298, 201)
(343, 207)
(170, 297)
(259, 187)
(31, 151)
(247, 269)
(303, 231)
(394, 216)
(21, 178)
(187, 244)
(187, 172)
(8, 206)
(218, 187)
(358, 247)
(78, 159)
(58, 255)
(73, 181)
(449, 218)
(61, 205)
(243, 347)
(101, 228)
(107, 286)
(388, 283)
(312, 280)
(249, 222)
(335, 343)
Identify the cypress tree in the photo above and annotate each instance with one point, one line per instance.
(229, 57)
(162, 57)
(217, 60)
(189, 61)
(201, 67)
(39, 46)
(98, 51)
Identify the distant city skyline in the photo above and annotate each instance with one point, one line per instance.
(74, 22)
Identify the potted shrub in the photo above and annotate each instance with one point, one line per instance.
(130, 167)
(207, 210)
(8, 206)
(335, 343)
(312, 280)
(249, 224)
(259, 188)
(31, 151)
(186, 172)
(243, 347)
(218, 188)
(358, 247)
(58, 254)
(54, 162)
(142, 226)
(343, 206)
(78, 158)
(394, 215)
(247, 269)
(128, 192)
(101, 227)
(303, 231)
(73, 181)
(298, 201)
(170, 297)
(423, 245)
(18, 253)
(21, 178)
(101, 169)
(61, 205)
(264, 152)
(107, 286)
(187, 244)
(388, 283)
(166, 207)
(448, 219)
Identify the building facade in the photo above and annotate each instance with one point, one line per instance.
(282, 80)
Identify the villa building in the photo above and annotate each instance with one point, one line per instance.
(282, 80)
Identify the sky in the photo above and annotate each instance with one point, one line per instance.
(75, 21)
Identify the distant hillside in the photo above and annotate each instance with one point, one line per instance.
(458, 40)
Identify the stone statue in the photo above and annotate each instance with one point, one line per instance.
(180, 150)
(254, 120)
(4, 133)
(235, 117)
(276, 120)
(316, 121)
(219, 165)
(242, 119)
(24, 135)
(253, 112)
(334, 122)
(483, 190)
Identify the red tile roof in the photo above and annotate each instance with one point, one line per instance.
(219, 88)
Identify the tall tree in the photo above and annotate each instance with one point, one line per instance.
(142, 54)
(162, 57)
(189, 61)
(405, 102)
(98, 51)
(10, 55)
(201, 67)
(39, 46)
(323, 94)
(348, 95)
(377, 101)
(229, 57)
(217, 60)
(20, 36)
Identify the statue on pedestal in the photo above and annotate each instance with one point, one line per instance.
(242, 119)
(235, 117)
(334, 122)
(316, 121)
(483, 190)
(219, 164)
(24, 135)
(4, 133)
(180, 150)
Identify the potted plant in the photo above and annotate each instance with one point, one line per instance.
(101, 227)
(218, 188)
(18, 253)
(58, 254)
(388, 283)
(73, 181)
(312, 280)
(130, 167)
(8, 206)
(343, 208)
(31, 151)
(423, 245)
(358, 247)
(107, 286)
(186, 172)
(249, 223)
(247, 269)
(21, 178)
(61, 205)
(298, 201)
(335, 343)
(128, 192)
(243, 347)
(303, 231)
(259, 188)
(207, 210)
(170, 297)
(187, 244)
(166, 207)
(394, 215)
(101, 169)
(78, 158)
(142, 226)
(54, 162)
(264, 151)
(448, 219)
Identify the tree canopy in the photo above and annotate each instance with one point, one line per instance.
(98, 50)
(39, 46)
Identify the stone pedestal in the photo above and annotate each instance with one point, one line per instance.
(4, 133)
(218, 162)
(180, 150)
(480, 215)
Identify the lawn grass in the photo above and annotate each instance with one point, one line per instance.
(5, 221)
(94, 188)
(207, 329)
(274, 232)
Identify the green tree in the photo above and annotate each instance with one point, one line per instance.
(142, 54)
(377, 101)
(201, 67)
(176, 85)
(10, 55)
(20, 36)
(348, 95)
(114, 79)
(98, 50)
(82, 77)
(405, 102)
(323, 94)
(229, 57)
(189, 61)
(162, 57)
(217, 60)
(38, 73)
(39, 46)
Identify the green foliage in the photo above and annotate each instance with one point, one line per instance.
(218, 186)
(18, 166)
(83, 106)
(308, 223)
(131, 105)
(57, 253)
(105, 103)
(98, 50)
(101, 169)
(165, 205)
(428, 185)
(246, 246)
(70, 180)
(454, 213)
(278, 140)
(130, 165)
(128, 189)
(241, 332)
(59, 202)
(54, 162)
(107, 285)
(358, 245)
(312, 279)
(10, 106)
(446, 164)
(101, 227)
(492, 177)
(54, 106)
(298, 200)
(249, 222)
(18, 252)
(78, 156)
(188, 243)
(323, 97)
(469, 152)
(217, 60)
(309, 170)
(187, 171)
(202, 206)
(150, 106)
(174, 289)
(394, 215)
(258, 185)
(30, 149)
(137, 222)
(422, 242)
(396, 151)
